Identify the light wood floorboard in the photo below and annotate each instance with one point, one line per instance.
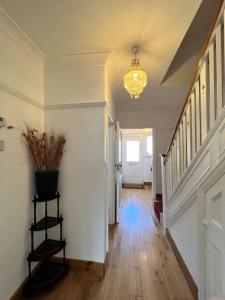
(142, 265)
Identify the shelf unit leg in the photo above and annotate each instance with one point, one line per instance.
(64, 255)
(46, 214)
(29, 269)
(32, 241)
(35, 214)
(58, 206)
(61, 231)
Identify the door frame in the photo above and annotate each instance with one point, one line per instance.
(154, 159)
(118, 171)
(110, 171)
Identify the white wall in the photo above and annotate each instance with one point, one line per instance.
(82, 180)
(74, 84)
(21, 95)
(149, 118)
(108, 91)
(189, 245)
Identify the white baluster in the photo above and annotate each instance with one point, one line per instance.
(178, 155)
(188, 122)
(212, 92)
(181, 150)
(198, 126)
(203, 102)
(184, 142)
(193, 124)
(219, 93)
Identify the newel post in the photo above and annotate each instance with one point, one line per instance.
(164, 190)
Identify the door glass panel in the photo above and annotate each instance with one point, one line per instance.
(149, 145)
(133, 151)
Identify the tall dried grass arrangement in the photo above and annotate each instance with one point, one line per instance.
(46, 149)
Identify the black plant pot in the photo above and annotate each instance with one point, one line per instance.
(46, 183)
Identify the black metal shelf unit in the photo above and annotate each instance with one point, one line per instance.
(49, 271)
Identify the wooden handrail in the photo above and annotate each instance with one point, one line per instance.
(199, 65)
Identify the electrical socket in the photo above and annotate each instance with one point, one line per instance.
(2, 146)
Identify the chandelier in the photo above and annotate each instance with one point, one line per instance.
(135, 80)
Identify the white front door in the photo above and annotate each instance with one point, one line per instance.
(133, 158)
(215, 239)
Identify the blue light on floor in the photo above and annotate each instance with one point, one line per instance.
(131, 214)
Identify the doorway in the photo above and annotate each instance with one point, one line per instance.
(137, 157)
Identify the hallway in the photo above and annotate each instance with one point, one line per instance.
(141, 265)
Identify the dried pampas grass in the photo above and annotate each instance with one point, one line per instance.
(46, 149)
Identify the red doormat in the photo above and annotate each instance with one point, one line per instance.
(158, 208)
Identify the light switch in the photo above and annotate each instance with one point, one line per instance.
(2, 122)
(2, 145)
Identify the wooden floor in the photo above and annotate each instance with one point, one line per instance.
(141, 264)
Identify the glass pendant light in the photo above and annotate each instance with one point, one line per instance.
(135, 80)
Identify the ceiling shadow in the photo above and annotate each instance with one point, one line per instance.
(188, 54)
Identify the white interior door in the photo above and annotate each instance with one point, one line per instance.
(133, 158)
(118, 169)
(215, 240)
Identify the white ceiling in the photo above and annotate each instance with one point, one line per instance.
(61, 28)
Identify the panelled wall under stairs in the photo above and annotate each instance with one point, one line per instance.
(194, 172)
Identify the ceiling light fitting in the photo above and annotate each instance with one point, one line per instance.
(135, 80)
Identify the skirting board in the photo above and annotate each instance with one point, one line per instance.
(187, 275)
(97, 269)
(148, 183)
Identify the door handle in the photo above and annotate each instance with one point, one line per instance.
(205, 222)
(118, 167)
